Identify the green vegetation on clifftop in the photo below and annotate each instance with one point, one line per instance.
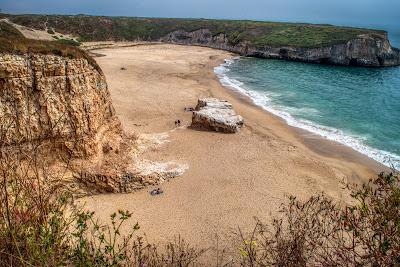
(258, 34)
(12, 41)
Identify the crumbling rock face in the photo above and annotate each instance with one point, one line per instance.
(64, 107)
(125, 170)
(216, 115)
(54, 98)
(366, 50)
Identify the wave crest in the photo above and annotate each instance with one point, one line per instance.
(264, 100)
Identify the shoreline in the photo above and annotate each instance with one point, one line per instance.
(314, 141)
(318, 143)
(231, 178)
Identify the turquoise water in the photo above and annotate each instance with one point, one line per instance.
(358, 107)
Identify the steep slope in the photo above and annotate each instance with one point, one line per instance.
(47, 97)
(369, 50)
(55, 107)
(51, 91)
(302, 42)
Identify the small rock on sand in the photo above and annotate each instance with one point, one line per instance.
(156, 191)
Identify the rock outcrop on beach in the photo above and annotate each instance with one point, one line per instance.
(216, 115)
(369, 50)
(58, 110)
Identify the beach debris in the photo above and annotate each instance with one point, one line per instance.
(123, 68)
(156, 191)
(216, 115)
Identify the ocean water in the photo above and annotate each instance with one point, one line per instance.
(358, 107)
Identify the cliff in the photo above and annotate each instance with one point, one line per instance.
(369, 50)
(47, 97)
(53, 109)
(326, 44)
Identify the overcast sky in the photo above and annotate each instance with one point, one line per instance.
(363, 12)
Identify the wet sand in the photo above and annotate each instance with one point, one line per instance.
(231, 177)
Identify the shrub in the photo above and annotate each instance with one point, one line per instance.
(68, 42)
(257, 34)
(12, 41)
(320, 232)
(41, 225)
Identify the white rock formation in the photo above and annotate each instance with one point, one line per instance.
(217, 115)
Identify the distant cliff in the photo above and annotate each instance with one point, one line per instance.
(370, 50)
(324, 44)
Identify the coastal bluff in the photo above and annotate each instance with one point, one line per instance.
(312, 43)
(48, 97)
(58, 111)
(368, 50)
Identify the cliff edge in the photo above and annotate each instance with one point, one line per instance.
(48, 97)
(57, 121)
(314, 43)
(368, 50)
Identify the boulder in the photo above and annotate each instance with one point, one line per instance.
(216, 115)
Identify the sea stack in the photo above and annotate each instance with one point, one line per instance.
(216, 115)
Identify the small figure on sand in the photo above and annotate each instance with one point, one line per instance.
(156, 191)
(122, 68)
(177, 123)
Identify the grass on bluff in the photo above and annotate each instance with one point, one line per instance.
(12, 41)
(257, 34)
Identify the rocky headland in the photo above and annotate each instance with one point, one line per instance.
(313, 43)
(369, 50)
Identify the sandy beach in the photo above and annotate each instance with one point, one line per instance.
(231, 178)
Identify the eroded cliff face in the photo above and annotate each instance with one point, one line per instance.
(51, 98)
(367, 50)
(64, 107)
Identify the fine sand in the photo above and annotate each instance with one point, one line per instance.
(231, 178)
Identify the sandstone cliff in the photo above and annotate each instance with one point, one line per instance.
(369, 50)
(63, 106)
(47, 97)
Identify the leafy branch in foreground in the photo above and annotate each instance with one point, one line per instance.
(41, 224)
(324, 233)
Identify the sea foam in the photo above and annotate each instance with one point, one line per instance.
(263, 99)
